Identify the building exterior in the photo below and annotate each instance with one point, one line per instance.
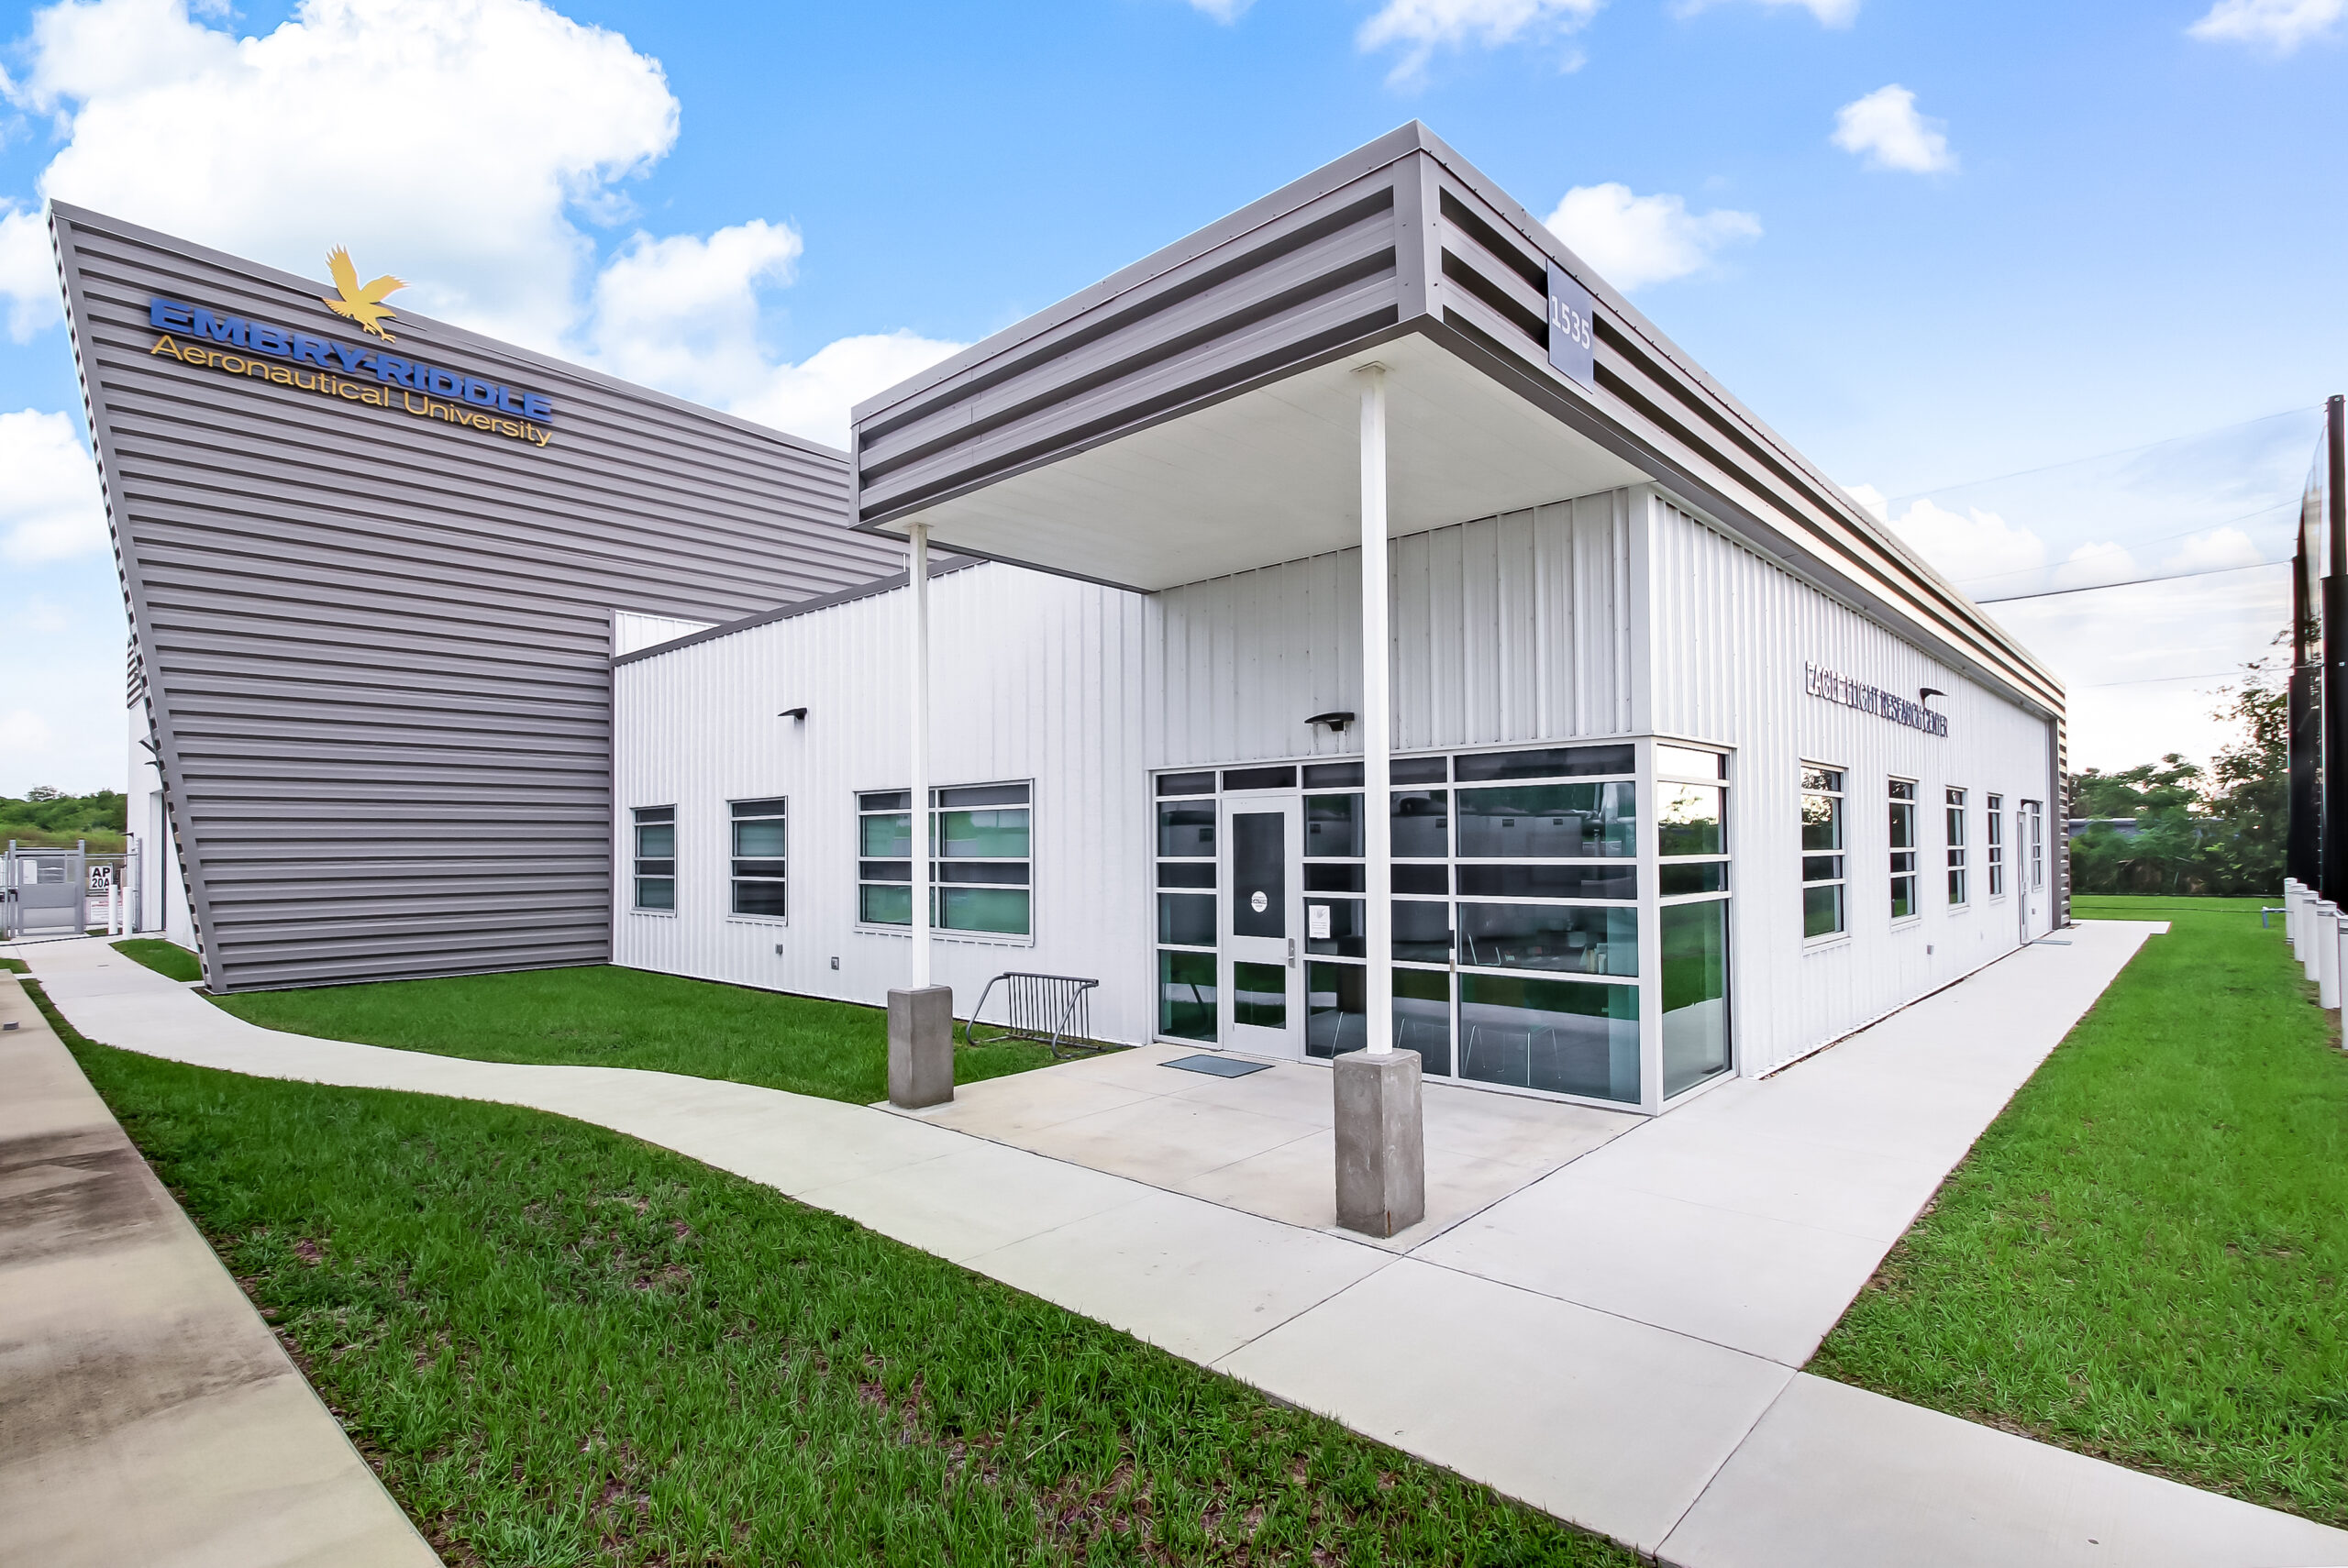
(370, 584)
(451, 657)
(1694, 768)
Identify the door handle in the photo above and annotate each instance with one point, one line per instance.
(1291, 952)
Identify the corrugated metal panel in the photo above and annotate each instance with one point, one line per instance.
(1505, 629)
(1293, 280)
(632, 633)
(1036, 678)
(377, 646)
(1732, 635)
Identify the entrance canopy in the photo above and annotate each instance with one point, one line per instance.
(1196, 415)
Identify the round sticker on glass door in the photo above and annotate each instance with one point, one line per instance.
(1257, 900)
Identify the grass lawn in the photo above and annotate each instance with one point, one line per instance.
(599, 1016)
(560, 1346)
(167, 958)
(2144, 1257)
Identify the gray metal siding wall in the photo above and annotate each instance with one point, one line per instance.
(1401, 234)
(377, 646)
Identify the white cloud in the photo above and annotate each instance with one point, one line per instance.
(1978, 549)
(473, 147)
(1224, 11)
(682, 313)
(22, 731)
(453, 142)
(1419, 28)
(813, 397)
(50, 507)
(27, 274)
(2219, 549)
(1636, 240)
(1830, 13)
(2091, 565)
(1884, 126)
(2279, 25)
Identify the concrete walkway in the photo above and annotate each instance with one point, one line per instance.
(147, 1413)
(1616, 1343)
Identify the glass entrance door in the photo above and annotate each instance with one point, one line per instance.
(1263, 1013)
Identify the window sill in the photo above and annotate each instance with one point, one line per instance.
(656, 914)
(769, 920)
(971, 938)
(1820, 943)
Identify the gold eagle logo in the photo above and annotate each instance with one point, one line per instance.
(362, 306)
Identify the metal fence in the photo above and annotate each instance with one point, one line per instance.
(46, 892)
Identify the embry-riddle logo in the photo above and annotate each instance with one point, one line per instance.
(365, 306)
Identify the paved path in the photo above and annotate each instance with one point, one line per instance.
(147, 1414)
(1617, 1344)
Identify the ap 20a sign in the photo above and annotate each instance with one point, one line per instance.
(1573, 322)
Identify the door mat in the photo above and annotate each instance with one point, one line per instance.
(1216, 1066)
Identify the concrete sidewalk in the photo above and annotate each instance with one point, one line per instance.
(147, 1413)
(1616, 1343)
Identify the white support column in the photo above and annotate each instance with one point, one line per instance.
(2310, 911)
(917, 557)
(2291, 913)
(1377, 721)
(1381, 1119)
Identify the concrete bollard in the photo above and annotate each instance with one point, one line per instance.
(2291, 913)
(1381, 1143)
(2327, 956)
(2307, 958)
(921, 1047)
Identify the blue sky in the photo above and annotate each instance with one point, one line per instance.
(1929, 244)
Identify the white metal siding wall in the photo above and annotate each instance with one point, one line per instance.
(1036, 677)
(1732, 632)
(1508, 629)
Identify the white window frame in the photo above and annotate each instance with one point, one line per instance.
(1840, 793)
(734, 859)
(1959, 885)
(1994, 850)
(639, 819)
(938, 801)
(1912, 852)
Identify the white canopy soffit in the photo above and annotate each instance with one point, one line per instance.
(1273, 475)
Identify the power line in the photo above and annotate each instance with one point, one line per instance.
(2130, 582)
(2138, 543)
(2104, 457)
(2160, 679)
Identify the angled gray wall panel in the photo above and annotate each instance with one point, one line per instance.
(376, 646)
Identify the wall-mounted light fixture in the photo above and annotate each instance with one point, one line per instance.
(1336, 721)
(1926, 693)
(798, 714)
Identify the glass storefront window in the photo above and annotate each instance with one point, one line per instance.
(1186, 919)
(1422, 824)
(1185, 998)
(1562, 1036)
(1336, 928)
(1549, 821)
(1506, 881)
(1333, 827)
(1561, 937)
(1422, 932)
(1422, 1018)
(1186, 828)
(1336, 1009)
(1259, 994)
(1689, 820)
(1695, 993)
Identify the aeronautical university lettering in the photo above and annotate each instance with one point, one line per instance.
(371, 376)
(1873, 699)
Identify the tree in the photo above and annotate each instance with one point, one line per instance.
(2189, 830)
